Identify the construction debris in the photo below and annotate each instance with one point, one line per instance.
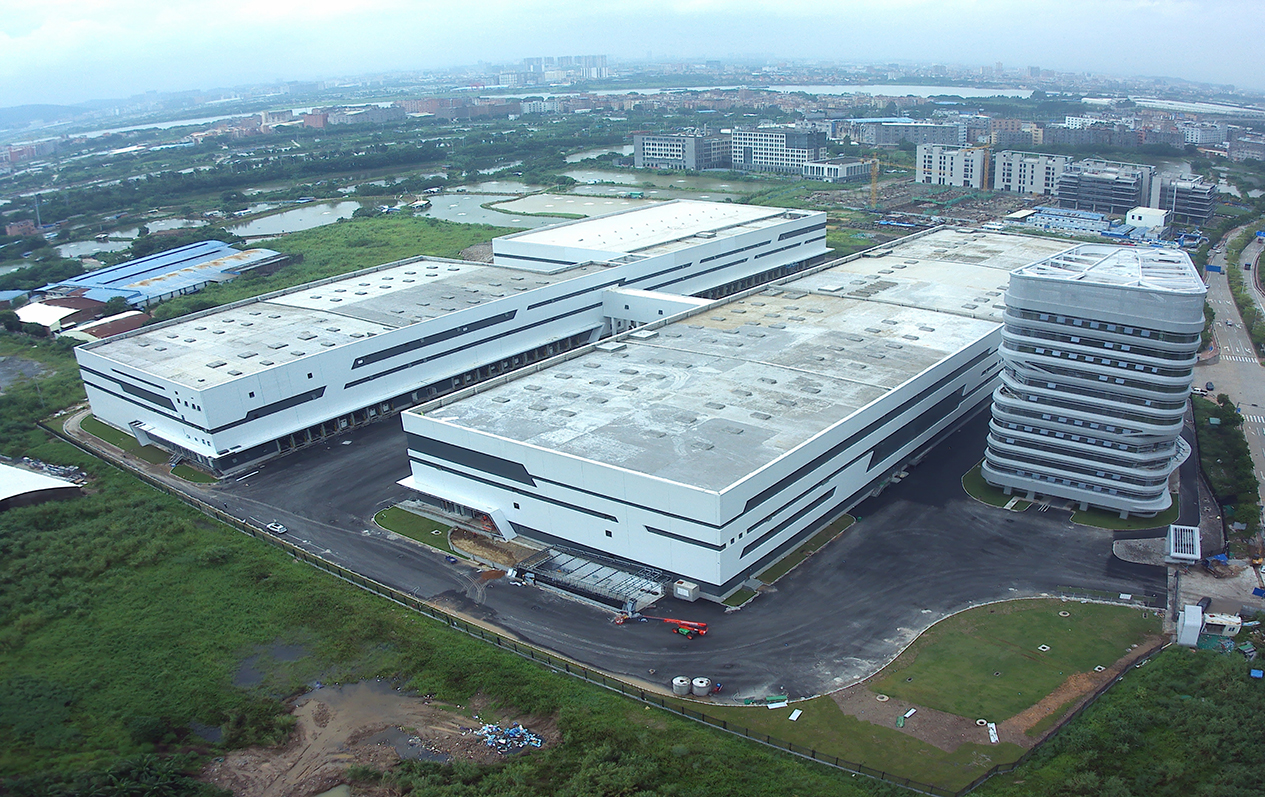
(509, 740)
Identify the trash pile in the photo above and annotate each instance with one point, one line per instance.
(509, 740)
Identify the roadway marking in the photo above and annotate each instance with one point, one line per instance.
(1254, 418)
(1236, 358)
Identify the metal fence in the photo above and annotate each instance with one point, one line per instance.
(562, 665)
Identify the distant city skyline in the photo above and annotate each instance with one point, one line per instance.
(72, 51)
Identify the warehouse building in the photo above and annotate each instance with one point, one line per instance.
(706, 445)
(1098, 350)
(230, 387)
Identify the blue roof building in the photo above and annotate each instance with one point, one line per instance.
(175, 272)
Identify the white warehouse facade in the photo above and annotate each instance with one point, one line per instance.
(1099, 347)
(233, 386)
(707, 445)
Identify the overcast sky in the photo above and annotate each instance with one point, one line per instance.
(67, 51)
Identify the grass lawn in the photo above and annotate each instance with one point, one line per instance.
(151, 454)
(975, 486)
(783, 566)
(740, 597)
(189, 474)
(985, 662)
(1112, 520)
(825, 728)
(415, 527)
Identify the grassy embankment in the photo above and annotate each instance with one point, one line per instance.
(415, 527)
(975, 486)
(1225, 458)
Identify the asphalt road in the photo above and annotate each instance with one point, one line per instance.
(1238, 372)
(920, 551)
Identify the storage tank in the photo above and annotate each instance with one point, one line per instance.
(702, 687)
(680, 686)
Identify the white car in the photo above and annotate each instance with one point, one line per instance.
(276, 528)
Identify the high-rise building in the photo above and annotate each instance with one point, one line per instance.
(1097, 351)
(773, 149)
(1028, 172)
(960, 166)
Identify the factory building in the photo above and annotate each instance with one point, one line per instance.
(772, 149)
(685, 151)
(1028, 172)
(230, 387)
(164, 275)
(705, 445)
(1098, 350)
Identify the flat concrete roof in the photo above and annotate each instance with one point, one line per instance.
(707, 400)
(1161, 270)
(639, 229)
(250, 337)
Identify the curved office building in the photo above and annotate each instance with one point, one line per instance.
(1098, 349)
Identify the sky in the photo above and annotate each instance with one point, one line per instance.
(69, 51)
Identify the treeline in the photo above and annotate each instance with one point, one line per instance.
(1253, 323)
(1225, 458)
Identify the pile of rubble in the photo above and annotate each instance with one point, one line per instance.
(509, 740)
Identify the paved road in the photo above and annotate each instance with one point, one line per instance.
(1238, 373)
(921, 551)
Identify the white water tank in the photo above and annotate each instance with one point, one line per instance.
(702, 687)
(680, 686)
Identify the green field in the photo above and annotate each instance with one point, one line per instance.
(985, 662)
(123, 440)
(825, 728)
(1111, 520)
(415, 527)
(339, 248)
(975, 486)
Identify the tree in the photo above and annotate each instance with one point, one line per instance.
(116, 305)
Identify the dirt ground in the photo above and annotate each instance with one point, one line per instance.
(337, 726)
(478, 253)
(948, 731)
(506, 554)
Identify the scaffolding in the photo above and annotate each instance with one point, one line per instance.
(594, 577)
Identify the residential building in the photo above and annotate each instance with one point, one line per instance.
(688, 151)
(1246, 147)
(1028, 172)
(776, 149)
(233, 386)
(890, 134)
(960, 166)
(1098, 352)
(1105, 186)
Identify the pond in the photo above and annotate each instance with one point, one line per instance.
(598, 176)
(627, 149)
(85, 248)
(502, 187)
(314, 214)
(465, 209)
(653, 193)
(570, 203)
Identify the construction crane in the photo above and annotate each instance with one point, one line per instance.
(686, 628)
(875, 163)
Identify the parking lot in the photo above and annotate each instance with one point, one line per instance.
(919, 552)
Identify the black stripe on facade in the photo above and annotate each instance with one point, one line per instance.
(802, 231)
(516, 490)
(535, 259)
(680, 538)
(785, 524)
(474, 460)
(428, 340)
